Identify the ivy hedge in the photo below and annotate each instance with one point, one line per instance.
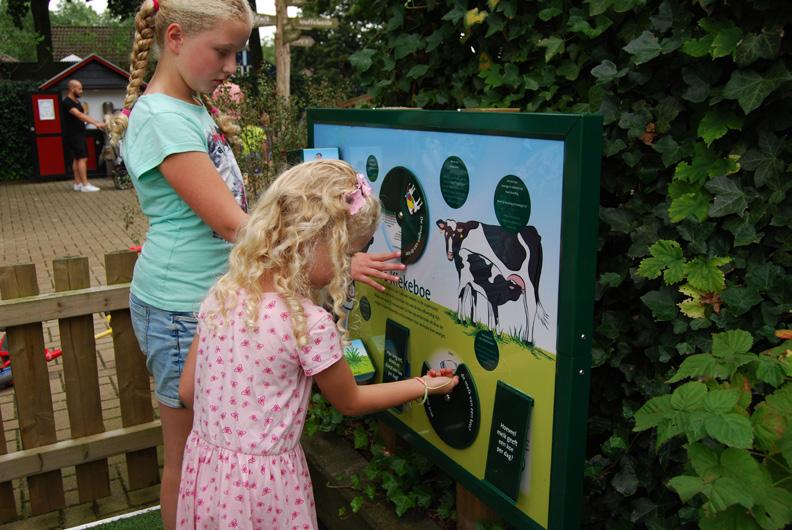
(695, 246)
(16, 140)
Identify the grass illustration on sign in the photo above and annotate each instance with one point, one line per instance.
(359, 361)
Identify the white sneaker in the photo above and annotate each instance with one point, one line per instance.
(77, 187)
(89, 187)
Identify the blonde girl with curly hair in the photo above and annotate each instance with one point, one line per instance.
(264, 338)
(177, 149)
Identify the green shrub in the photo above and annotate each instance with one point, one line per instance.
(697, 170)
(16, 140)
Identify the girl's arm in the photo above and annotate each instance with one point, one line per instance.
(194, 177)
(368, 267)
(187, 381)
(338, 385)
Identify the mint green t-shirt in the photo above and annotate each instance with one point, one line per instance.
(182, 256)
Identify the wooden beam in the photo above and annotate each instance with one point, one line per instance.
(52, 306)
(78, 451)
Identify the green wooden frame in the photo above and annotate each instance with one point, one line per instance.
(582, 137)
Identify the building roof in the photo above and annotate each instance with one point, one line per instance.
(111, 42)
(94, 72)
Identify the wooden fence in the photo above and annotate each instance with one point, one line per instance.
(22, 313)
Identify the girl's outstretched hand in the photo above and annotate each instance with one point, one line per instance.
(369, 267)
(441, 381)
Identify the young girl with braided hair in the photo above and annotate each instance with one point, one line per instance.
(178, 154)
(263, 339)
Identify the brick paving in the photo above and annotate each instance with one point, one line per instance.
(38, 223)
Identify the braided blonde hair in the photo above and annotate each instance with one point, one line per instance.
(194, 16)
(305, 205)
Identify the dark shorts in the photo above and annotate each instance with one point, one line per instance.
(75, 146)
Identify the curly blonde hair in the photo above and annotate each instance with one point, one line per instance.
(305, 206)
(194, 16)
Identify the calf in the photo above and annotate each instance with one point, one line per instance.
(496, 250)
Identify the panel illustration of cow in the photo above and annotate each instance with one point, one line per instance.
(496, 267)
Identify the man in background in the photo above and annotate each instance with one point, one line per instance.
(74, 120)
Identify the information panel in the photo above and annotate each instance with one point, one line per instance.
(495, 215)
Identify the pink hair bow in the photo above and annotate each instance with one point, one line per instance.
(357, 197)
(156, 5)
(126, 112)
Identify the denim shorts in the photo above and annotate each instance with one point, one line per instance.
(164, 338)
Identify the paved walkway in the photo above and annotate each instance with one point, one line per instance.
(40, 222)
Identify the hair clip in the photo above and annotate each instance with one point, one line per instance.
(126, 112)
(156, 5)
(357, 197)
(214, 111)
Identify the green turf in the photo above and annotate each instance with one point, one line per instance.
(145, 521)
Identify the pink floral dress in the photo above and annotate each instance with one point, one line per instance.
(243, 465)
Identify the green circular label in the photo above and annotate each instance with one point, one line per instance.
(372, 168)
(486, 350)
(454, 182)
(512, 203)
(365, 308)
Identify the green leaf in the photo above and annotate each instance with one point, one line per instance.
(705, 275)
(686, 486)
(553, 45)
(698, 47)
(754, 47)
(619, 219)
(740, 299)
(662, 303)
(643, 48)
(417, 71)
(704, 460)
(733, 430)
(690, 205)
(740, 465)
(406, 44)
(716, 123)
(699, 365)
(361, 439)
(770, 371)
(689, 396)
(734, 518)
(356, 503)
(732, 342)
(765, 162)
(729, 199)
(775, 508)
(725, 492)
(744, 231)
(610, 279)
(625, 481)
(721, 401)
(361, 59)
(549, 13)
(750, 88)
(653, 412)
(597, 7)
(669, 150)
(726, 39)
(666, 255)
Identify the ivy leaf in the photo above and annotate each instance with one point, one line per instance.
(625, 481)
(689, 397)
(740, 299)
(417, 71)
(661, 303)
(753, 47)
(553, 45)
(406, 44)
(686, 486)
(669, 149)
(733, 430)
(705, 274)
(726, 36)
(361, 59)
(729, 198)
(693, 205)
(619, 219)
(549, 13)
(750, 88)
(716, 123)
(765, 162)
(698, 47)
(356, 503)
(597, 7)
(643, 48)
(455, 15)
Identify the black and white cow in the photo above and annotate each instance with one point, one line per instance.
(494, 264)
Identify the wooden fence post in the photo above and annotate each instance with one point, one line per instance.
(81, 374)
(133, 377)
(8, 508)
(32, 388)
